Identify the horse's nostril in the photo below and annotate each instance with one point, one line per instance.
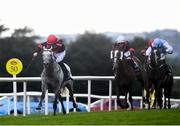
(45, 64)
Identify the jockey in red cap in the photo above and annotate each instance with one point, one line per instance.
(58, 49)
(149, 43)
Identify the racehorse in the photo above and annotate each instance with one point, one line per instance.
(52, 78)
(125, 76)
(158, 76)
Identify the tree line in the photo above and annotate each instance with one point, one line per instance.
(89, 54)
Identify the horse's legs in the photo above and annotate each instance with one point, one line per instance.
(159, 97)
(55, 103)
(169, 96)
(169, 102)
(70, 88)
(148, 88)
(155, 99)
(130, 99)
(127, 99)
(118, 96)
(169, 90)
(61, 101)
(165, 96)
(142, 78)
(43, 87)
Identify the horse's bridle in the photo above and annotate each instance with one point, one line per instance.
(156, 59)
(116, 56)
(47, 50)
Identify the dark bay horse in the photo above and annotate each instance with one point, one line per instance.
(159, 78)
(125, 76)
(52, 78)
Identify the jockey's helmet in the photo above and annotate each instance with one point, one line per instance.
(157, 43)
(52, 39)
(120, 39)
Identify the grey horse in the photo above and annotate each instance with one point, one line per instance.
(52, 78)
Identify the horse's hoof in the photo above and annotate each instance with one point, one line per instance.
(38, 108)
(54, 114)
(169, 106)
(64, 112)
(119, 103)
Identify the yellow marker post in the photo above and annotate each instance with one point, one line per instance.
(14, 66)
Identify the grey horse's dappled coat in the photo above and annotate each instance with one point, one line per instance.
(52, 78)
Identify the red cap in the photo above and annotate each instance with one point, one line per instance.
(40, 45)
(150, 41)
(131, 49)
(52, 39)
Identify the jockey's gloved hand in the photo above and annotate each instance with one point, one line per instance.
(34, 55)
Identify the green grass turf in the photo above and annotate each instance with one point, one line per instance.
(120, 117)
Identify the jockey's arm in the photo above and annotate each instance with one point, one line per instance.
(127, 54)
(168, 48)
(40, 46)
(148, 51)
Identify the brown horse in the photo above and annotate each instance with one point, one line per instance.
(125, 76)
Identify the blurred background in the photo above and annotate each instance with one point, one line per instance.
(88, 28)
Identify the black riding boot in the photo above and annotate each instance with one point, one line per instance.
(133, 65)
(169, 70)
(65, 71)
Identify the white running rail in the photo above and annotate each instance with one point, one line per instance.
(38, 79)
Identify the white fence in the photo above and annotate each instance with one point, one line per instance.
(38, 79)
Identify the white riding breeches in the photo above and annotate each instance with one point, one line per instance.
(59, 56)
(69, 69)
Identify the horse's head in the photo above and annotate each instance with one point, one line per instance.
(154, 60)
(47, 56)
(117, 56)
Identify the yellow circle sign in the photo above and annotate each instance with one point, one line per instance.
(14, 66)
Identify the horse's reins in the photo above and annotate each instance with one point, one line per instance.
(30, 63)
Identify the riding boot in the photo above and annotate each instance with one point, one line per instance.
(169, 70)
(133, 65)
(65, 71)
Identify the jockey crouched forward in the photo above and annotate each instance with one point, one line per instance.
(165, 49)
(128, 52)
(59, 52)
